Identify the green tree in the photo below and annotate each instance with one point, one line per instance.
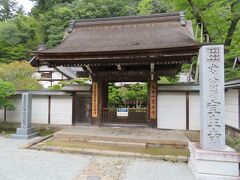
(19, 37)
(43, 6)
(8, 9)
(153, 7)
(101, 8)
(119, 96)
(54, 24)
(113, 96)
(20, 75)
(6, 91)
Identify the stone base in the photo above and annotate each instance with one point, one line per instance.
(25, 133)
(214, 165)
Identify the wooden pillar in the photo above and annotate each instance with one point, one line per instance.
(105, 94)
(96, 102)
(152, 104)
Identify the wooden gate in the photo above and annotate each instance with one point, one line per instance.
(82, 110)
(135, 116)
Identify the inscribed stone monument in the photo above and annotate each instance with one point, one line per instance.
(25, 131)
(212, 159)
(212, 97)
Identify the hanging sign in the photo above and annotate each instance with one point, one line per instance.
(95, 99)
(153, 100)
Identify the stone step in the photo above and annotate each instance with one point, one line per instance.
(117, 144)
(148, 141)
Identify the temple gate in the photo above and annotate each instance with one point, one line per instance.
(124, 49)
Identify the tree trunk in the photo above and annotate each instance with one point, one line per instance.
(233, 25)
(231, 31)
(198, 17)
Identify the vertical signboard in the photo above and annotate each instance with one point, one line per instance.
(153, 100)
(94, 99)
(212, 97)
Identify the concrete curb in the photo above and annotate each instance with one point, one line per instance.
(182, 159)
(29, 145)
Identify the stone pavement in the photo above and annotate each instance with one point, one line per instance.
(24, 164)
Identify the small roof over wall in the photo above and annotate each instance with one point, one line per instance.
(234, 83)
(159, 38)
(44, 92)
(178, 88)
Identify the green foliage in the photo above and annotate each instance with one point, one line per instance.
(49, 19)
(232, 73)
(20, 75)
(233, 142)
(55, 87)
(18, 37)
(119, 96)
(80, 81)
(153, 7)
(43, 6)
(8, 8)
(54, 23)
(218, 18)
(6, 90)
(164, 80)
(101, 8)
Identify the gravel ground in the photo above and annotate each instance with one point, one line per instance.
(23, 164)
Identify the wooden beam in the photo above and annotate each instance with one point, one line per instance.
(187, 110)
(238, 108)
(49, 109)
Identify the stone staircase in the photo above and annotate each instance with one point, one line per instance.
(126, 138)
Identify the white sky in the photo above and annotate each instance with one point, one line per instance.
(26, 4)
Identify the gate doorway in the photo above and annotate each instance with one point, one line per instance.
(82, 106)
(132, 97)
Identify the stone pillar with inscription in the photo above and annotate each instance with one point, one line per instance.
(211, 158)
(25, 131)
(152, 102)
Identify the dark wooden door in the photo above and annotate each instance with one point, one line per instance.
(83, 110)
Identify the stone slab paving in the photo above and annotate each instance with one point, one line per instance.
(157, 170)
(103, 168)
(25, 164)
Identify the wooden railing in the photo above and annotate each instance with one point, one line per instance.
(135, 115)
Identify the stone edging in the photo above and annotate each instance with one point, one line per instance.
(182, 159)
(29, 145)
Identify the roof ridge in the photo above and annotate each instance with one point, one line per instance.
(161, 17)
(129, 17)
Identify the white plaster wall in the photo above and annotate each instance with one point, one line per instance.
(57, 75)
(40, 109)
(45, 68)
(171, 110)
(15, 116)
(1, 115)
(231, 108)
(61, 110)
(194, 111)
